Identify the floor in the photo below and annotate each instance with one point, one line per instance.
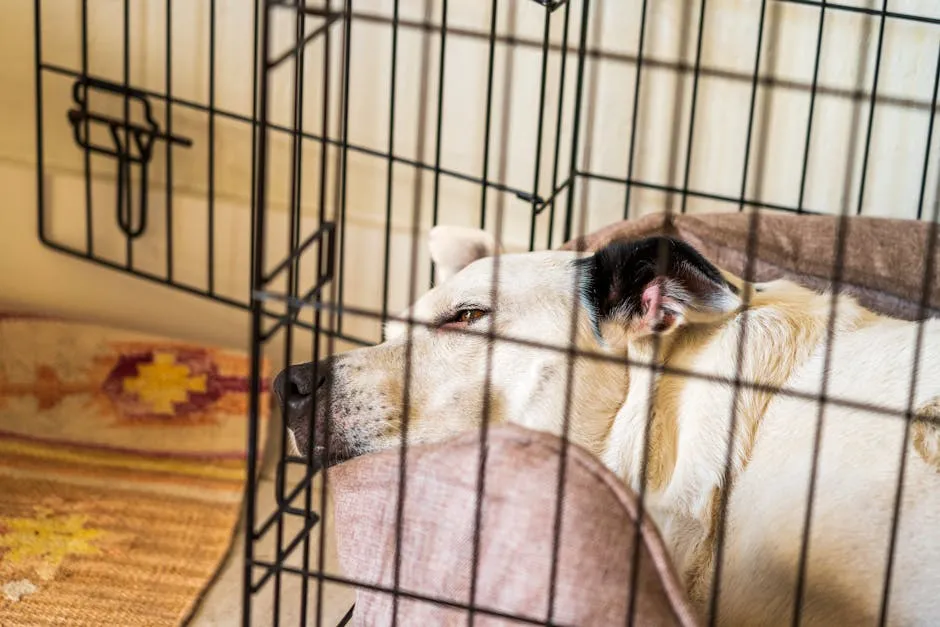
(222, 605)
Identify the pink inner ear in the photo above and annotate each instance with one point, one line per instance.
(652, 299)
(656, 319)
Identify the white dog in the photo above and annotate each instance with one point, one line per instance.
(686, 316)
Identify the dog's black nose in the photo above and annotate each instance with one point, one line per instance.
(304, 393)
(296, 386)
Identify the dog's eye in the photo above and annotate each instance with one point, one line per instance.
(470, 315)
(465, 317)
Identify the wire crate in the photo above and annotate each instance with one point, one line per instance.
(343, 129)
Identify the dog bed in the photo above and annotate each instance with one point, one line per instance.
(122, 471)
(516, 547)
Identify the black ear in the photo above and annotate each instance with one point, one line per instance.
(654, 285)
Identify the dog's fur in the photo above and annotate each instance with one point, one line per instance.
(680, 312)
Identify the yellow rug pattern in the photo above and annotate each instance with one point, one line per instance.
(122, 471)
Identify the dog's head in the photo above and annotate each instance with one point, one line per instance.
(524, 338)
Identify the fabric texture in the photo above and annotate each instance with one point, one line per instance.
(516, 540)
(882, 260)
(122, 471)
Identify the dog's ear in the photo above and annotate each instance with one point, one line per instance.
(654, 285)
(455, 247)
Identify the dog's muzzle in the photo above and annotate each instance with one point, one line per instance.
(303, 393)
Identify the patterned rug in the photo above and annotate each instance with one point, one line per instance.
(122, 463)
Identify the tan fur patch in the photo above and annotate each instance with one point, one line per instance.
(423, 427)
(700, 572)
(925, 433)
(664, 430)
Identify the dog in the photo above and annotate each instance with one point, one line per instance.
(636, 353)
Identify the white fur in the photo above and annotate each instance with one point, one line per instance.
(610, 407)
(455, 247)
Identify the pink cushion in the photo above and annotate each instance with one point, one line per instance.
(516, 540)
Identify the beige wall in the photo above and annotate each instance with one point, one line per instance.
(36, 278)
